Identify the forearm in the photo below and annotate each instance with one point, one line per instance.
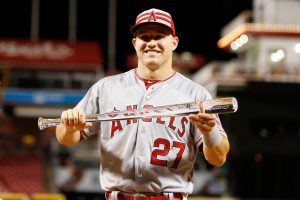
(216, 155)
(67, 137)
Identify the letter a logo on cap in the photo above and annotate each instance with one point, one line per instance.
(152, 16)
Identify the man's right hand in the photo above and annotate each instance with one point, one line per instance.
(73, 121)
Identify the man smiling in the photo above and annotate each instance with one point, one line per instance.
(148, 158)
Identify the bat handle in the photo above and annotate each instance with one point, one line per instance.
(44, 123)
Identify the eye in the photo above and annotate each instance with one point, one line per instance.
(158, 37)
(145, 38)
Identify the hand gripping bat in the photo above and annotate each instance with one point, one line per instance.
(216, 106)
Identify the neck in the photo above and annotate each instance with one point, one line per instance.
(154, 74)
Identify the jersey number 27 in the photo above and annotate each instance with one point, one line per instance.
(164, 152)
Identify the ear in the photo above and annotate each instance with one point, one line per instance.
(175, 42)
(133, 41)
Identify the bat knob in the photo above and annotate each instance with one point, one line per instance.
(41, 123)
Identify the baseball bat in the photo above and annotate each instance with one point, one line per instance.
(216, 106)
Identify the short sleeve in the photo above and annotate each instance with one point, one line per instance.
(90, 104)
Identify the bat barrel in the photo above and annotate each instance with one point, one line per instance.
(221, 105)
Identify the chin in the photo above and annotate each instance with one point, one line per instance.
(152, 66)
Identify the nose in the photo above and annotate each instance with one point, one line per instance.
(151, 42)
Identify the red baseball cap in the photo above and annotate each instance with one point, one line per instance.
(154, 16)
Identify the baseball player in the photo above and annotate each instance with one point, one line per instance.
(147, 158)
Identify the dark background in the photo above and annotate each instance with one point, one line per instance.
(198, 23)
(264, 134)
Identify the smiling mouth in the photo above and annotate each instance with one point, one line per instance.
(151, 51)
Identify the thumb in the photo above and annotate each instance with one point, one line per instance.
(88, 124)
(201, 106)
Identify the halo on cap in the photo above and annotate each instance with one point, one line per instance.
(154, 16)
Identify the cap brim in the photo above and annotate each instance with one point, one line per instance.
(138, 26)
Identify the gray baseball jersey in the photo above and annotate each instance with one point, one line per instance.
(146, 155)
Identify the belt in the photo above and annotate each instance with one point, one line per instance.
(143, 196)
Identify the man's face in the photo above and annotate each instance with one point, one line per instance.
(154, 45)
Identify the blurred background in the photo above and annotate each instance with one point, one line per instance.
(51, 52)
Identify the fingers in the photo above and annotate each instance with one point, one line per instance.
(203, 119)
(73, 117)
(204, 122)
(81, 115)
